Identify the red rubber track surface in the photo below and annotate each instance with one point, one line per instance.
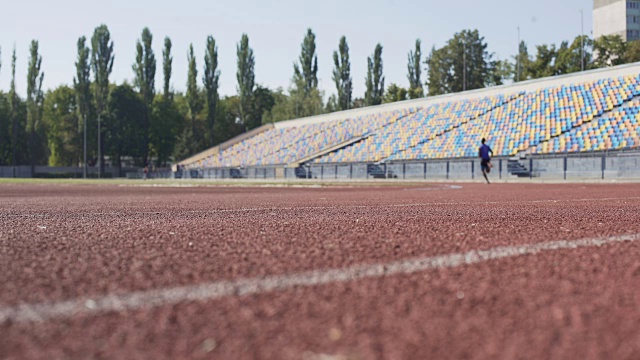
(62, 243)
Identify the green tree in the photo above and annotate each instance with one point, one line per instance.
(167, 61)
(306, 99)
(13, 100)
(246, 83)
(395, 93)
(523, 61)
(186, 144)
(193, 94)
(165, 117)
(332, 104)
(439, 76)
(375, 78)
(18, 118)
(123, 131)
(304, 104)
(228, 124)
(187, 141)
(470, 59)
(462, 64)
(358, 103)
(543, 64)
(165, 129)
(569, 58)
(281, 109)
(294, 105)
(145, 74)
(501, 71)
(5, 138)
(102, 57)
(264, 102)
(82, 86)
(415, 72)
(60, 114)
(5, 131)
(342, 75)
(632, 53)
(211, 79)
(610, 50)
(35, 97)
(306, 71)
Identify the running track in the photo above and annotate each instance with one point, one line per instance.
(431, 271)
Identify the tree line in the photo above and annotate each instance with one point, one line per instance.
(131, 123)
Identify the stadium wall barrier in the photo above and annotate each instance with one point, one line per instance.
(580, 166)
(25, 171)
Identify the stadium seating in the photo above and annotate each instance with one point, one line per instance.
(529, 120)
(283, 146)
(410, 130)
(617, 130)
(589, 115)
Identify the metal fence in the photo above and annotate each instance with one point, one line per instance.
(597, 165)
(442, 169)
(26, 171)
(581, 166)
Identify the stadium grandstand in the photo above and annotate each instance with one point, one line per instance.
(591, 111)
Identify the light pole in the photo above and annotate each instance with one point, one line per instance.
(518, 58)
(464, 65)
(581, 40)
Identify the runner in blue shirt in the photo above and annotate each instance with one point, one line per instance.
(485, 164)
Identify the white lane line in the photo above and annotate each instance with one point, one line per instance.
(333, 207)
(141, 300)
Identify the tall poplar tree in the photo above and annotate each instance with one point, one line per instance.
(572, 57)
(166, 122)
(35, 98)
(167, 62)
(60, 116)
(305, 98)
(5, 139)
(5, 127)
(246, 83)
(82, 86)
(13, 111)
(342, 75)
(306, 71)
(522, 62)
(102, 57)
(193, 97)
(415, 72)
(211, 79)
(375, 78)
(145, 70)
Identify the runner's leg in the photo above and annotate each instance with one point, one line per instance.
(484, 173)
(484, 166)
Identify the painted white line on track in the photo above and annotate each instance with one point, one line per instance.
(291, 208)
(141, 300)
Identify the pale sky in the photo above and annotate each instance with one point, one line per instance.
(276, 30)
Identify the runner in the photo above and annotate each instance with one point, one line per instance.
(485, 164)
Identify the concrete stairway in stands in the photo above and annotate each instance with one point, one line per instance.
(516, 168)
